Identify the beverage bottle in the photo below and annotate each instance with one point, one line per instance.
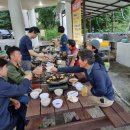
(84, 91)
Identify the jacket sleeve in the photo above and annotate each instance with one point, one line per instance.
(75, 69)
(99, 88)
(10, 90)
(14, 75)
(63, 41)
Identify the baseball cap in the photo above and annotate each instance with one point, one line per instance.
(95, 43)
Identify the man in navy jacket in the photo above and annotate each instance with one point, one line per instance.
(101, 91)
(10, 108)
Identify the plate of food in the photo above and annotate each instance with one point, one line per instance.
(38, 90)
(73, 80)
(55, 79)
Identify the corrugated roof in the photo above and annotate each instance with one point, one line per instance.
(97, 7)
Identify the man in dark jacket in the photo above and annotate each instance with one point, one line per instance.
(101, 91)
(10, 108)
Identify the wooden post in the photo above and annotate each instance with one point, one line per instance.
(106, 21)
(90, 24)
(84, 24)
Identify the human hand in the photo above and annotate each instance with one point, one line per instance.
(53, 69)
(28, 76)
(37, 70)
(16, 103)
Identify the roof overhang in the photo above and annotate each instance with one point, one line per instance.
(30, 4)
(97, 7)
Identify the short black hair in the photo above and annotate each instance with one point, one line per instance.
(3, 62)
(71, 42)
(85, 54)
(96, 50)
(61, 29)
(10, 50)
(34, 29)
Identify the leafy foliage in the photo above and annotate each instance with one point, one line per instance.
(51, 33)
(47, 18)
(5, 21)
(121, 21)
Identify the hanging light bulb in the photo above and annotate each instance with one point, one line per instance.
(40, 4)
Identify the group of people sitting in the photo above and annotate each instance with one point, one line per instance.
(89, 61)
(15, 84)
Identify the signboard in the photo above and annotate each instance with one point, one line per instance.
(77, 27)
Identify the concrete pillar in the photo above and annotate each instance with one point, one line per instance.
(16, 15)
(26, 19)
(33, 22)
(61, 19)
(68, 19)
(32, 17)
(64, 24)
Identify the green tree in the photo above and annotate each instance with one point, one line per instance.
(121, 21)
(47, 18)
(5, 21)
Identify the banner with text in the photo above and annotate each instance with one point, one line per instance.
(77, 27)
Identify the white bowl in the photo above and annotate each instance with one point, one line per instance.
(44, 95)
(34, 94)
(38, 90)
(58, 92)
(78, 86)
(72, 93)
(57, 103)
(45, 102)
(72, 99)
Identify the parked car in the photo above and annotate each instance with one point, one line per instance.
(5, 34)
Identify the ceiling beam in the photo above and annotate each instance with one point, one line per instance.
(125, 1)
(94, 10)
(95, 7)
(112, 4)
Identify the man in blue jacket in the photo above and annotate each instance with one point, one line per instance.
(10, 109)
(101, 91)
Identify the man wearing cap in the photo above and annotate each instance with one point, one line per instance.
(94, 46)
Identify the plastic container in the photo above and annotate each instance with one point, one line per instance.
(104, 44)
